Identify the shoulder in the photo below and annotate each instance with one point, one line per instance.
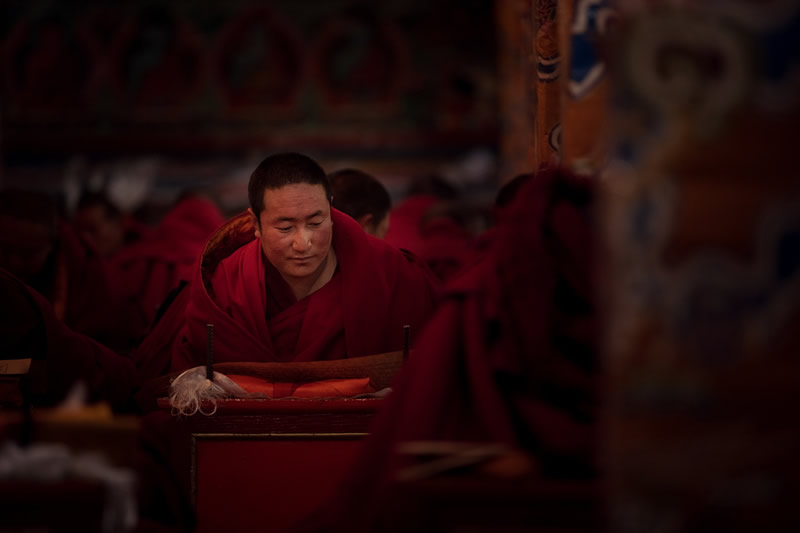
(231, 266)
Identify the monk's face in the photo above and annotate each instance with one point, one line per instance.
(295, 229)
(104, 232)
(24, 246)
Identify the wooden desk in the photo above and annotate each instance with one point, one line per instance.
(258, 464)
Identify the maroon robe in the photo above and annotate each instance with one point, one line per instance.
(509, 357)
(375, 291)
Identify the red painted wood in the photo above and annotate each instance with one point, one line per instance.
(267, 485)
(265, 464)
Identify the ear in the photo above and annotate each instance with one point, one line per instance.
(255, 221)
(365, 221)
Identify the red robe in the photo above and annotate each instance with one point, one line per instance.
(438, 241)
(146, 270)
(30, 328)
(509, 356)
(375, 291)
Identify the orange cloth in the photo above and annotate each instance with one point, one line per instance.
(326, 388)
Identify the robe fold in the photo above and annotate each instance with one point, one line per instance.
(61, 356)
(375, 291)
(509, 357)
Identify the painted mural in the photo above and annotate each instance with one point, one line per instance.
(162, 75)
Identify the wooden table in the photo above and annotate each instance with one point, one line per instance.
(259, 463)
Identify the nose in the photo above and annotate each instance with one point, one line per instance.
(302, 241)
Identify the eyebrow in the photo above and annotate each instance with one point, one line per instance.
(292, 219)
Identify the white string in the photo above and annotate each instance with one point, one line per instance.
(191, 392)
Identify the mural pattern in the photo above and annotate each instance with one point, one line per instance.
(227, 74)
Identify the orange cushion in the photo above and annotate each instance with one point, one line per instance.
(327, 388)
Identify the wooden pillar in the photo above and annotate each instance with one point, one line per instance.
(547, 135)
(517, 100)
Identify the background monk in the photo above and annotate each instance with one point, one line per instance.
(295, 280)
(100, 222)
(509, 359)
(40, 249)
(364, 198)
(422, 224)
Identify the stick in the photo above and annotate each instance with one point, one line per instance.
(210, 352)
(406, 335)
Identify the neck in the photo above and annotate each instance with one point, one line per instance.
(303, 287)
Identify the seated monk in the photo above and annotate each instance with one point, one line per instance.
(293, 279)
(100, 222)
(40, 249)
(508, 364)
(364, 198)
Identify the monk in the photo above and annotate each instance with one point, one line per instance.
(293, 279)
(100, 222)
(364, 198)
(40, 249)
